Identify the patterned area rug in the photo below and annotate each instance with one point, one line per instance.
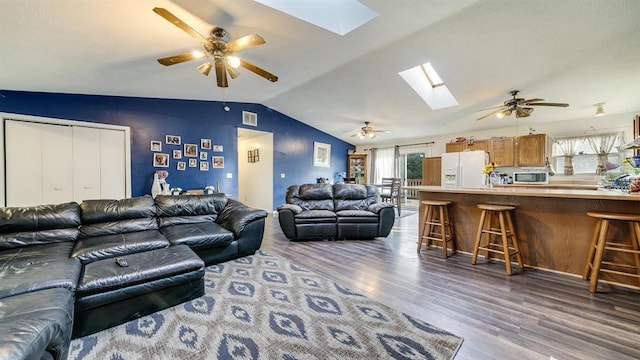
(265, 307)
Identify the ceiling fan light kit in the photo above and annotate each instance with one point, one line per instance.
(368, 132)
(215, 47)
(521, 107)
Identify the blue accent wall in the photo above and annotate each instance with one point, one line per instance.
(152, 119)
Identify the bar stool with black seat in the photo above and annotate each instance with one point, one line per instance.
(504, 232)
(437, 226)
(600, 244)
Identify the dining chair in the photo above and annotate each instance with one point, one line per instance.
(390, 192)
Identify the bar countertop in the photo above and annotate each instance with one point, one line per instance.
(534, 192)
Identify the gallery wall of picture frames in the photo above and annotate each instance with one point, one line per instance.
(187, 155)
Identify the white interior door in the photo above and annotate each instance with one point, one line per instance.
(112, 165)
(57, 171)
(86, 163)
(23, 163)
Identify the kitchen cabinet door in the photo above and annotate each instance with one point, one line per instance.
(431, 171)
(478, 145)
(502, 151)
(532, 150)
(455, 147)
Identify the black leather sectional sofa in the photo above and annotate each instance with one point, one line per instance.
(340, 211)
(71, 269)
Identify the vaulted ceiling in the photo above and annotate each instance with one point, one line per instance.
(581, 52)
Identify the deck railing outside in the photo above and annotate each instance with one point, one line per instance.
(412, 194)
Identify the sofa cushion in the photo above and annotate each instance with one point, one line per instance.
(36, 323)
(188, 209)
(354, 196)
(360, 216)
(35, 254)
(311, 196)
(43, 224)
(109, 217)
(55, 274)
(198, 235)
(109, 246)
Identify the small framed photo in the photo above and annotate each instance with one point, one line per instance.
(160, 160)
(177, 154)
(218, 162)
(217, 148)
(204, 166)
(205, 144)
(156, 145)
(181, 166)
(193, 163)
(203, 155)
(191, 150)
(173, 139)
(321, 154)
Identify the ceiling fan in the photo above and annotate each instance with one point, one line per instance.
(219, 51)
(368, 132)
(521, 107)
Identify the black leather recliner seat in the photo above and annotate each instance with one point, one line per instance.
(340, 211)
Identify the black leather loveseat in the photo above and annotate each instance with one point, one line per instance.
(59, 277)
(340, 211)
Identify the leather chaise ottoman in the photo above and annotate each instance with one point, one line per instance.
(109, 294)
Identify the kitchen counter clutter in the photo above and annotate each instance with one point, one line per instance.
(552, 226)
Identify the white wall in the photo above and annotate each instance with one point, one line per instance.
(255, 180)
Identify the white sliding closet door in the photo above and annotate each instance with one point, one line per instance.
(52, 164)
(23, 164)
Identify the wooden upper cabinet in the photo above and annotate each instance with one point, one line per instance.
(455, 146)
(502, 151)
(464, 146)
(532, 150)
(431, 171)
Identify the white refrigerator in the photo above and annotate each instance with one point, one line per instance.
(464, 169)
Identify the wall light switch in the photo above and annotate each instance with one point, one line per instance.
(229, 175)
(282, 176)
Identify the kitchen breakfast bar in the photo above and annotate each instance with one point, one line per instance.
(551, 225)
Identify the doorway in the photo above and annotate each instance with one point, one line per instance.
(255, 168)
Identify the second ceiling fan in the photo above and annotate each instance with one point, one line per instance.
(521, 107)
(219, 51)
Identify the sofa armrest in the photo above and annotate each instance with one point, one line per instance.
(296, 209)
(235, 216)
(377, 207)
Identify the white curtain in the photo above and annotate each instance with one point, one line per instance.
(383, 164)
(569, 148)
(602, 145)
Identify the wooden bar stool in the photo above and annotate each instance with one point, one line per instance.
(436, 225)
(505, 231)
(600, 244)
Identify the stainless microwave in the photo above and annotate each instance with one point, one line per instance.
(531, 177)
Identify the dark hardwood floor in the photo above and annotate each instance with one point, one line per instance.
(532, 315)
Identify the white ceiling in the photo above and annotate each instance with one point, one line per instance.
(577, 51)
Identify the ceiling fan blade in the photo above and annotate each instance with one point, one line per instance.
(232, 72)
(221, 74)
(525, 102)
(179, 23)
(177, 59)
(492, 113)
(265, 74)
(493, 107)
(245, 42)
(548, 104)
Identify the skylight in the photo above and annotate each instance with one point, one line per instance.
(338, 16)
(425, 81)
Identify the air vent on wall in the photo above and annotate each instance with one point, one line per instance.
(249, 118)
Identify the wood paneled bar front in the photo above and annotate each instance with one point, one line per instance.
(552, 225)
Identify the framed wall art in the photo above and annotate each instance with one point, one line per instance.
(181, 166)
(204, 166)
(173, 139)
(217, 148)
(156, 145)
(177, 154)
(203, 155)
(193, 163)
(160, 160)
(218, 162)
(321, 154)
(191, 150)
(205, 144)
